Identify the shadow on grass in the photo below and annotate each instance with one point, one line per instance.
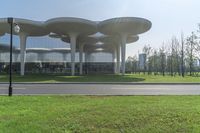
(100, 78)
(64, 78)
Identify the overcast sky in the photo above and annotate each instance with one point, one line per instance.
(169, 17)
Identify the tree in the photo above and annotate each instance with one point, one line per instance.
(177, 57)
(129, 64)
(198, 42)
(162, 60)
(132, 64)
(155, 62)
(191, 48)
(182, 56)
(147, 50)
(174, 58)
(135, 64)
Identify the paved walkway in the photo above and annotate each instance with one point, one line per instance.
(102, 89)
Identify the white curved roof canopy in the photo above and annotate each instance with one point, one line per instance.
(104, 47)
(81, 40)
(65, 26)
(87, 40)
(88, 32)
(127, 25)
(30, 27)
(116, 39)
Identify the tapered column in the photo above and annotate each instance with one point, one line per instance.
(114, 54)
(118, 58)
(123, 51)
(73, 52)
(81, 59)
(23, 38)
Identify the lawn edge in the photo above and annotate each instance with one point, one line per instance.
(117, 83)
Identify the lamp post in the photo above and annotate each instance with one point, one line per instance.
(16, 28)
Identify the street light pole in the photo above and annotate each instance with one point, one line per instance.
(10, 89)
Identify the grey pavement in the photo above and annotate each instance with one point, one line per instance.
(102, 89)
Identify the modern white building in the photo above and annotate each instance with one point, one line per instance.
(85, 38)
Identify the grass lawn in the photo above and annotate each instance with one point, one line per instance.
(99, 78)
(141, 114)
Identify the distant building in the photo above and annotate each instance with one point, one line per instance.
(142, 61)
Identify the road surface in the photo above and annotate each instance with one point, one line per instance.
(100, 89)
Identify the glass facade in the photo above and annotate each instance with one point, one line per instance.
(53, 62)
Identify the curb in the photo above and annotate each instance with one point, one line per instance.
(111, 83)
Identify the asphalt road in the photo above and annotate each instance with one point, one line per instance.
(100, 89)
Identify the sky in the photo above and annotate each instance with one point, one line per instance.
(169, 17)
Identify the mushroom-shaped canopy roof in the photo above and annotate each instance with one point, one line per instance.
(115, 39)
(124, 25)
(67, 25)
(95, 50)
(105, 47)
(63, 38)
(81, 40)
(54, 35)
(31, 28)
(87, 40)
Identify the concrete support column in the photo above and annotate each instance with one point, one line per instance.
(23, 38)
(73, 52)
(118, 58)
(81, 59)
(114, 54)
(123, 51)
